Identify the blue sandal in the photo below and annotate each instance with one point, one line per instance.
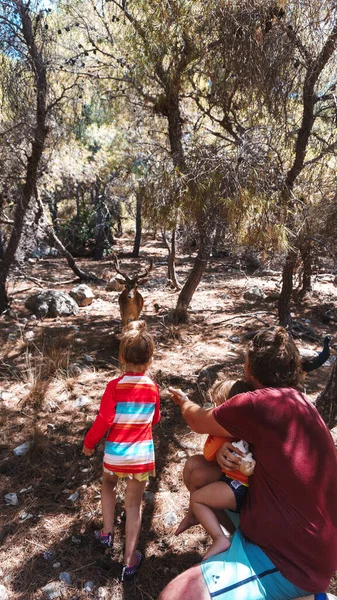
(130, 571)
(105, 540)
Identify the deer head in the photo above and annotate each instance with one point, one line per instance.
(130, 300)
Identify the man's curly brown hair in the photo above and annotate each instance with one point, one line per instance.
(273, 358)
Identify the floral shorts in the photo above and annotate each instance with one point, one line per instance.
(138, 476)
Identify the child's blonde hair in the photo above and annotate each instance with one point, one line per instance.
(227, 388)
(137, 345)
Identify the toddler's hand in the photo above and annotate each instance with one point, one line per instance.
(87, 451)
(178, 396)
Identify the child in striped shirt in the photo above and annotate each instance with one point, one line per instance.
(129, 407)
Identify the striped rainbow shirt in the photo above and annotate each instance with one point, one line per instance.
(129, 407)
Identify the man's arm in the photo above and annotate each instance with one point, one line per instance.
(199, 419)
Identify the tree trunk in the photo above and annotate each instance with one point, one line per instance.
(193, 280)
(306, 257)
(218, 236)
(100, 223)
(139, 201)
(314, 70)
(83, 276)
(326, 402)
(175, 134)
(39, 137)
(287, 290)
(53, 209)
(171, 267)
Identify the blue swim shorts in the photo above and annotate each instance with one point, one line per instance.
(239, 489)
(244, 572)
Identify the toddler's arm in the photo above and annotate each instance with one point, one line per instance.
(102, 422)
(87, 451)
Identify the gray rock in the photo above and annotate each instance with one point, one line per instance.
(65, 577)
(255, 293)
(272, 297)
(88, 358)
(89, 586)
(3, 593)
(74, 370)
(11, 499)
(149, 497)
(52, 304)
(22, 449)
(235, 339)
(116, 284)
(76, 540)
(82, 294)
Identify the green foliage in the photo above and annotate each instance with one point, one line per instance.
(77, 232)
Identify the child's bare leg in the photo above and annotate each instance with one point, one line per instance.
(197, 472)
(213, 496)
(108, 500)
(133, 509)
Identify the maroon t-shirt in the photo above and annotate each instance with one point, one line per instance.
(291, 510)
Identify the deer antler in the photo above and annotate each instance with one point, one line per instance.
(116, 264)
(147, 271)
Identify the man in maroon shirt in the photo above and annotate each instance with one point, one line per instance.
(286, 545)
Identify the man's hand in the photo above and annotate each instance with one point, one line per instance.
(226, 458)
(87, 451)
(178, 396)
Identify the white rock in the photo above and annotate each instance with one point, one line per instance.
(73, 497)
(22, 449)
(81, 401)
(29, 335)
(189, 445)
(3, 592)
(25, 516)
(170, 519)
(82, 294)
(52, 590)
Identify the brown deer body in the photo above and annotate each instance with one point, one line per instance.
(130, 300)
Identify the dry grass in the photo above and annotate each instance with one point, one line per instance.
(38, 403)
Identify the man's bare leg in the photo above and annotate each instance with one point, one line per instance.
(197, 472)
(187, 586)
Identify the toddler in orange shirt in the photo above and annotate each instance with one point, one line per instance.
(231, 491)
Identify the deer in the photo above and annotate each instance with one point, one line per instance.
(130, 300)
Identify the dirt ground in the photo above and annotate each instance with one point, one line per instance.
(52, 375)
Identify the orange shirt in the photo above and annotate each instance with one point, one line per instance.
(212, 444)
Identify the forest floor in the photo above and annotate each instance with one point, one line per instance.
(47, 402)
